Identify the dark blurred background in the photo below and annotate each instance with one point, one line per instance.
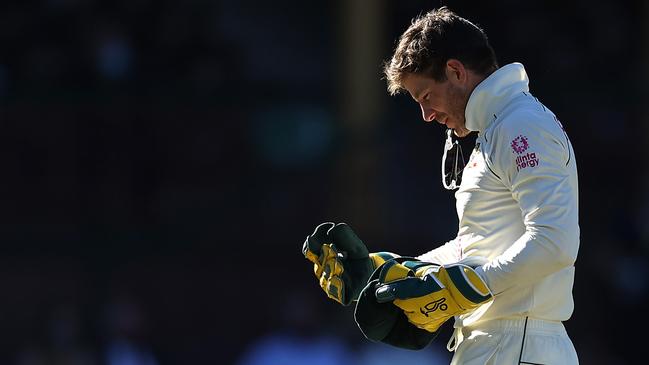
(162, 162)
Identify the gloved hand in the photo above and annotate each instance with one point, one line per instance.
(341, 262)
(431, 294)
(385, 322)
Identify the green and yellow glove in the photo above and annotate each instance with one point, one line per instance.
(430, 294)
(385, 322)
(341, 261)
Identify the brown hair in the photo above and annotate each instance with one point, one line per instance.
(431, 40)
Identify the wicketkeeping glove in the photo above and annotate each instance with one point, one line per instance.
(341, 262)
(385, 322)
(430, 295)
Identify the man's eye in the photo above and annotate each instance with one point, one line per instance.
(426, 96)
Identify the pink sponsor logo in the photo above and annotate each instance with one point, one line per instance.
(527, 160)
(520, 144)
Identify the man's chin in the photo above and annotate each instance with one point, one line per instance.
(461, 132)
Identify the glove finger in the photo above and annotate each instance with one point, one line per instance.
(335, 289)
(346, 240)
(327, 263)
(410, 287)
(333, 285)
(313, 243)
(330, 261)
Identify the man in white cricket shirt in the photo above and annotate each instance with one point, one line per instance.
(507, 277)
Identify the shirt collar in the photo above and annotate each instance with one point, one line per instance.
(493, 94)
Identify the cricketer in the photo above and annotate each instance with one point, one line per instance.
(507, 277)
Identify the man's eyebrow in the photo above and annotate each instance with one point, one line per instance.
(419, 95)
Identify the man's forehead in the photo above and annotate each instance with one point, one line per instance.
(415, 84)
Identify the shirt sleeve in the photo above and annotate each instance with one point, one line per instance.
(534, 158)
(448, 253)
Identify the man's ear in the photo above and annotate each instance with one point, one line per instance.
(455, 71)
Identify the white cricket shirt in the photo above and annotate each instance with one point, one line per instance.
(517, 204)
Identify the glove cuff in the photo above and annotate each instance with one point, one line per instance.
(468, 288)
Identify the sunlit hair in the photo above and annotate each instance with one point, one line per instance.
(431, 40)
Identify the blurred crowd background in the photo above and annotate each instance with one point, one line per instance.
(162, 162)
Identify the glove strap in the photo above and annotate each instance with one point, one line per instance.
(456, 339)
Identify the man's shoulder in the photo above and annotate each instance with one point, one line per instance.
(526, 116)
(523, 125)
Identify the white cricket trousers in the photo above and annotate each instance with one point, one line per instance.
(514, 341)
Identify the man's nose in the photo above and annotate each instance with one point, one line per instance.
(427, 114)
